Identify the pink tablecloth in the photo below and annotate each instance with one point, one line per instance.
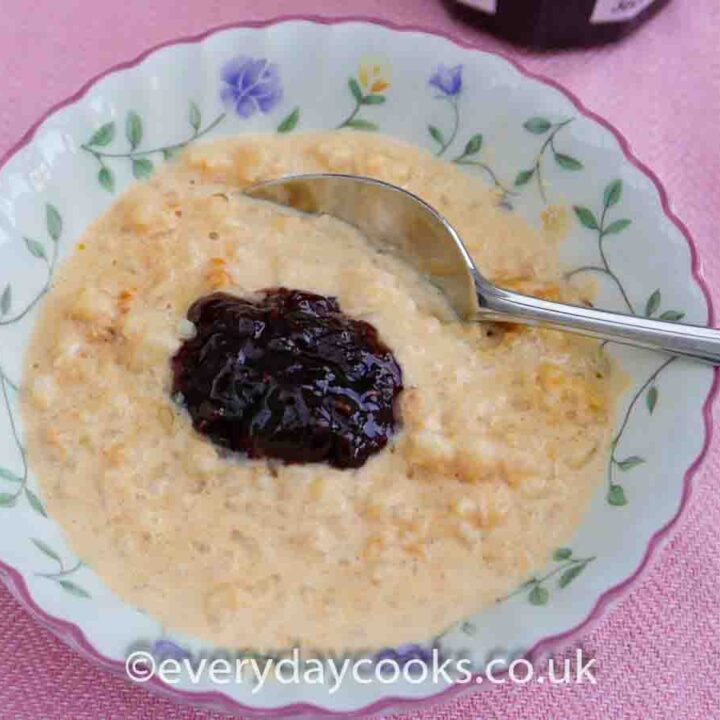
(657, 652)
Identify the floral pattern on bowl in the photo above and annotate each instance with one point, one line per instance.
(529, 140)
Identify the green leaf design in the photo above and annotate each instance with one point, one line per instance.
(169, 152)
(53, 221)
(473, 145)
(355, 89)
(6, 300)
(651, 399)
(5, 474)
(44, 548)
(34, 502)
(73, 588)
(436, 134)
(360, 124)
(586, 217)
(672, 315)
(194, 117)
(289, 122)
(538, 595)
(133, 129)
(617, 226)
(106, 179)
(616, 496)
(141, 167)
(103, 135)
(570, 574)
(653, 303)
(630, 462)
(35, 248)
(562, 553)
(373, 100)
(612, 193)
(568, 162)
(537, 125)
(7, 500)
(524, 176)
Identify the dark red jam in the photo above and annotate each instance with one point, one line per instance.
(287, 375)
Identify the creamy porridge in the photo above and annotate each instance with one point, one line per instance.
(502, 435)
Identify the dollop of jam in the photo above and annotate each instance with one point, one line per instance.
(287, 375)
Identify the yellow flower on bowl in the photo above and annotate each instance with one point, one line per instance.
(374, 76)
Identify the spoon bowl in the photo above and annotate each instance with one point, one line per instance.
(397, 221)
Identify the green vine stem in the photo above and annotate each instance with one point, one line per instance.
(12, 385)
(197, 133)
(350, 120)
(140, 163)
(588, 219)
(61, 575)
(616, 493)
(9, 499)
(604, 229)
(542, 126)
(462, 160)
(472, 147)
(50, 268)
(62, 572)
(443, 142)
(569, 568)
(361, 99)
(37, 250)
(538, 162)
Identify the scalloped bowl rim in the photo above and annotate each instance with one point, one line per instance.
(213, 700)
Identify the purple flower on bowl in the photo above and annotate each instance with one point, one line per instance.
(163, 649)
(448, 80)
(250, 84)
(404, 654)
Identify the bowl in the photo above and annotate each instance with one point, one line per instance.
(524, 135)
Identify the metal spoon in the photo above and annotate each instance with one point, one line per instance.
(399, 222)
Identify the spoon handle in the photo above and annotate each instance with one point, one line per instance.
(692, 341)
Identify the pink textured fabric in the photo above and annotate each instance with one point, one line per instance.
(657, 651)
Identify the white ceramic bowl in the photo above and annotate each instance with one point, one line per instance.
(525, 134)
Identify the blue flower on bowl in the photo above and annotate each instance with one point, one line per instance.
(249, 85)
(448, 80)
(164, 648)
